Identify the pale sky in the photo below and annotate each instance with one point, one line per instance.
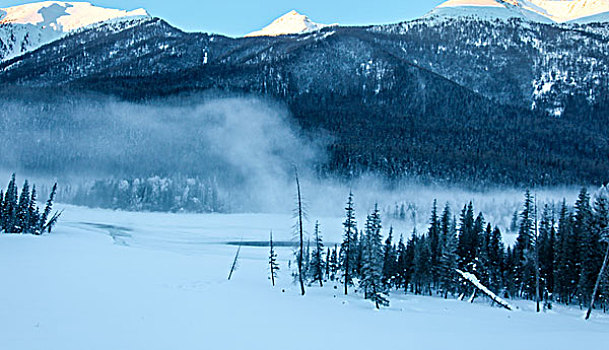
(238, 17)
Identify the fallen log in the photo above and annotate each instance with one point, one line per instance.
(473, 280)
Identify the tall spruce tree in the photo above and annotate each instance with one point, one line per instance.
(525, 255)
(496, 261)
(33, 213)
(434, 241)
(23, 210)
(317, 259)
(449, 259)
(566, 257)
(10, 206)
(587, 261)
(327, 265)
(547, 243)
(422, 274)
(1, 210)
(389, 260)
(484, 261)
(47, 221)
(350, 229)
(468, 239)
(372, 267)
(402, 267)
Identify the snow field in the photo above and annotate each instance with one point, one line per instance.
(116, 280)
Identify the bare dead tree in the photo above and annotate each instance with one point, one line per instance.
(600, 275)
(299, 227)
(235, 263)
(273, 261)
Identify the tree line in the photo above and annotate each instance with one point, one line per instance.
(20, 213)
(557, 256)
(155, 193)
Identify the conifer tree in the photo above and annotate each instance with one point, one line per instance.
(19, 212)
(402, 266)
(1, 210)
(536, 257)
(587, 259)
(33, 213)
(389, 260)
(306, 264)
(317, 266)
(23, 209)
(45, 222)
(333, 263)
(483, 266)
(547, 238)
(327, 265)
(509, 273)
(468, 239)
(496, 260)
(434, 240)
(449, 259)
(273, 266)
(355, 254)
(10, 206)
(350, 228)
(566, 257)
(423, 276)
(525, 262)
(372, 274)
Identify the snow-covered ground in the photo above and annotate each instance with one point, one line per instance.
(117, 280)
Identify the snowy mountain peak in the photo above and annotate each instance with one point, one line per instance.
(63, 16)
(290, 23)
(535, 10)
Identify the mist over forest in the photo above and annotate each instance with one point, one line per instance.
(222, 153)
(245, 145)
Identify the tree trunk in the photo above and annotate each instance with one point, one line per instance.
(271, 261)
(234, 265)
(300, 233)
(598, 282)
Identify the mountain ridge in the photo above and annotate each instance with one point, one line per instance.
(555, 11)
(399, 100)
(26, 27)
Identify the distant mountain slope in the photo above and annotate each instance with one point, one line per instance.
(534, 10)
(445, 100)
(290, 23)
(27, 27)
(63, 16)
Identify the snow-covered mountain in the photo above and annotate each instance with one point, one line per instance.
(27, 27)
(290, 23)
(577, 11)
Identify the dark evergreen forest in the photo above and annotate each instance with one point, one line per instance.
(557, 256)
